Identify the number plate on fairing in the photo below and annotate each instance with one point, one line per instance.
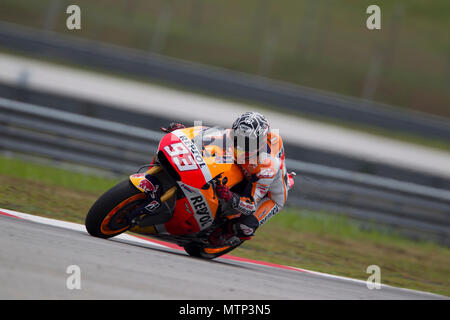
(185, 158)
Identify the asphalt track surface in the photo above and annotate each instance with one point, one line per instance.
(34, 258)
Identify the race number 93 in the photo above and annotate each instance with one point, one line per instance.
(181, 156)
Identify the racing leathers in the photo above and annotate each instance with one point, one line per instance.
(265, 194)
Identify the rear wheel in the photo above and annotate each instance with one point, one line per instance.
(107, 216)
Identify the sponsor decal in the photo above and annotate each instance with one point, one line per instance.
(197, 201)
(246, 208)
(272, 212)
(148, 187)
(153, 206)
(261, 190)
(201, 210)
(262, 214)
(188, 189)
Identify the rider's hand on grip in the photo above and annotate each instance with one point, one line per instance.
(224, 193)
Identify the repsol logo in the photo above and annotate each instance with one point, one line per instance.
(202, 213)
(191, 146)
(272, 212)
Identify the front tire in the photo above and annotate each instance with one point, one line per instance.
(106, 218)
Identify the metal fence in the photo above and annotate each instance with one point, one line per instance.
(415, 210)
(219, 81)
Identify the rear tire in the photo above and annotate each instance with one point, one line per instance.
(106, 219)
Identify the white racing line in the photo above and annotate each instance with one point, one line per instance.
(190, 107)
(166, 245)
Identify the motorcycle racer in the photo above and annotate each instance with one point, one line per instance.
(259, 153)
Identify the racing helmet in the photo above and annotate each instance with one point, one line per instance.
(249, 133)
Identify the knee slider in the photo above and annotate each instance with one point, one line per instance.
(245, 226)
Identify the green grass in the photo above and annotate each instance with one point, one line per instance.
(53, 176)
(301, 238)
(315, 43)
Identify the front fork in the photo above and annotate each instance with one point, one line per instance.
(152, 188)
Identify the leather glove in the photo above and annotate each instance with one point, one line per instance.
(224, 193)
(173, 126)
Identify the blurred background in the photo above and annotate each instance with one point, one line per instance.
(318, 44)
(364, 114)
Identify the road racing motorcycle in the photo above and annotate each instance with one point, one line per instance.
(175, 198)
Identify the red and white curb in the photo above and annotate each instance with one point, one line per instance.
(163, 244)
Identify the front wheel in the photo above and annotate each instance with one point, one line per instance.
(107, 216)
